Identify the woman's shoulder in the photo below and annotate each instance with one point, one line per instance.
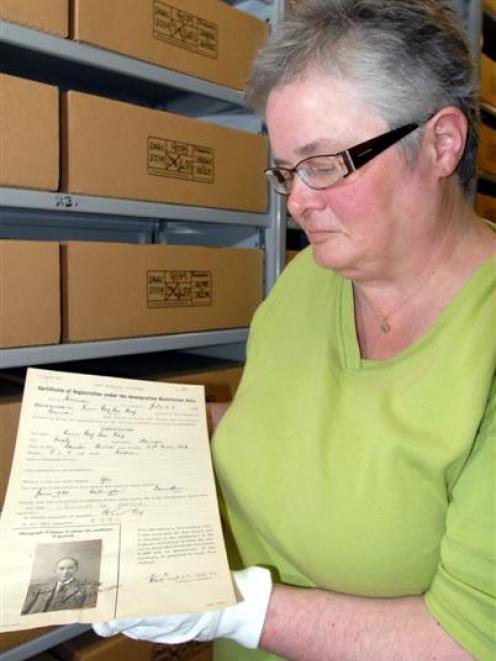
(302, 267)
(302, 279)
(301, 286)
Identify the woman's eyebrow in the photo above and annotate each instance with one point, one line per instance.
(314, 148)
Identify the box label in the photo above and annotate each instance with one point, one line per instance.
(178, 288)
(182, 29)
(180, 160)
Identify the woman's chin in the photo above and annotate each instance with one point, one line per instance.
(329, 256)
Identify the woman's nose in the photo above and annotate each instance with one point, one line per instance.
(303, 198)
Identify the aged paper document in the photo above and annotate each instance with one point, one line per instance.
(111, 507)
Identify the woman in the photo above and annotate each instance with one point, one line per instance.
(357, 460)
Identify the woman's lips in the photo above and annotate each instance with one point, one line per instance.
(318, 236)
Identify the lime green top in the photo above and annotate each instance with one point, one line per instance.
(372, 478)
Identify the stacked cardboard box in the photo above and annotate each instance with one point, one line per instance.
(488, 80)
(491, 5)
(220, 384)
(487, 149)
(291, 254)
(121, 150)
(29, 293)
(485, 205)
(113, 290)
(207, 39)
(118, 290)
(29, 135)
(117, 149)
(485, 201)
(46, 15)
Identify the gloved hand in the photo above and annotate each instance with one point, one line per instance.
(242, 622)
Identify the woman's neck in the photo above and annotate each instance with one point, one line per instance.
(394, 311)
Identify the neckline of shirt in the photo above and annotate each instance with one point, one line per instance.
(350, 349)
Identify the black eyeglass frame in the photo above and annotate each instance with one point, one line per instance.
(352, 158)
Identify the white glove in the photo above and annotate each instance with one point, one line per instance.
(242, 622)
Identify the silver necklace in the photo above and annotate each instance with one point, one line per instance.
(384, 323)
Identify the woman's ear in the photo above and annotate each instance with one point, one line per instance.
(447, 135)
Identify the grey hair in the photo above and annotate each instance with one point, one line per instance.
(410, 58)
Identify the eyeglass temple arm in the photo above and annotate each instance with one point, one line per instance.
(361, 154)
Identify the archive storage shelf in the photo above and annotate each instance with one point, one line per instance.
(44, 642)
(31, 214)
(488, 113)
(486, 181)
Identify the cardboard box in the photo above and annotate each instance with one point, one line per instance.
(121, 290)
(46, 15)
(44, 656)
(291, 254)
(15, 638)
(487, 149)
(29, 293)
(220, 385)
(121, 150)
(491, 5)
(485, 205)
(207, 39)
(488, 80)
(89, 647)
(29, 135)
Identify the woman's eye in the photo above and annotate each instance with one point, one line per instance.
(321, 171)
(318, 168)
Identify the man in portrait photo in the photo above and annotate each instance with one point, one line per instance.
(63, 592)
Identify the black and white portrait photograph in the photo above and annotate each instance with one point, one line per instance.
(64, 576)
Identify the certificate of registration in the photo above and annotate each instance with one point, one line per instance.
(111, 508)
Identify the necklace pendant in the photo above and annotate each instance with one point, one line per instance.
(385, 327)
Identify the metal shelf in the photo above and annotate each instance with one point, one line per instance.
(38, 355)
(471, 17)
(489, 11)
(487, 176)
(488, 108)
(84, 205)
(44, 642)
(76, 62)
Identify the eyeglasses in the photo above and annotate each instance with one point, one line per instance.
(324, 170)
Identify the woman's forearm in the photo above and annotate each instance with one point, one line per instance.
(317, 625)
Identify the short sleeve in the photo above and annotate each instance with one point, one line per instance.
(462, 596)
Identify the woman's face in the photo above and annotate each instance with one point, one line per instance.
(359, 225)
